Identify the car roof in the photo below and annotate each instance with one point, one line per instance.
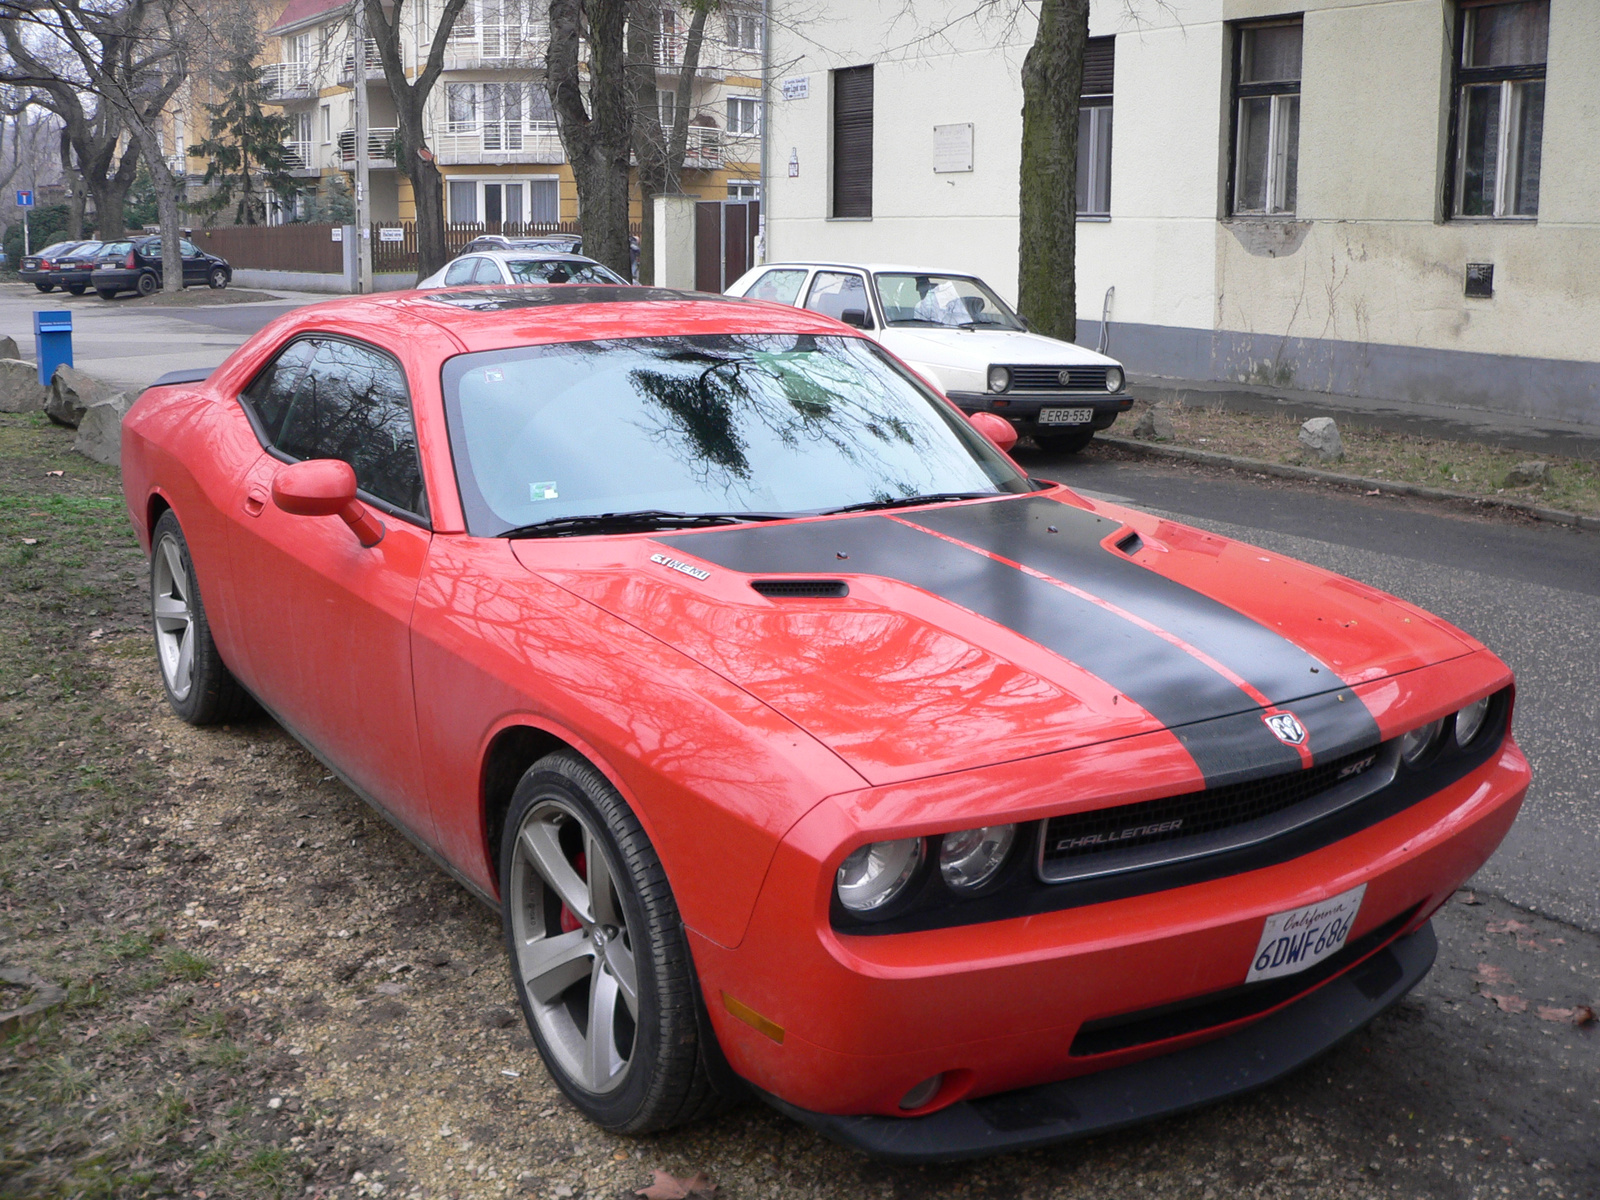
(494, 318)
(533, 252)
(874, 268)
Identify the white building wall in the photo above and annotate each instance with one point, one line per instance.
(1362, 290)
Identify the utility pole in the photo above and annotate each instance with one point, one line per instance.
(363, 220)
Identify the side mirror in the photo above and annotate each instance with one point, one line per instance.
(997, 429)
(856, 317)
(326, 487)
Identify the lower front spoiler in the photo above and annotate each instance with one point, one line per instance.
(1143, 1091)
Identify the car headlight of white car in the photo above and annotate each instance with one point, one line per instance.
(1113, 379)
(999, 379)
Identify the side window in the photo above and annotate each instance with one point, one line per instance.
(189, 249)
(488, 272)
(460, 271)
(270, 395)
(352, 404)
(782, 286)
(832, 292)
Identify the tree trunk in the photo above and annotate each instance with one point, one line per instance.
(659, 152)
(427, 189)
(110, 194)
(75, 197)
(1052, 79)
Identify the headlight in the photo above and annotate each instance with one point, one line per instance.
(969, 859)
(877, 872)
(1469, 721)
(1415, 745)
(1113, 379)
(999, 379)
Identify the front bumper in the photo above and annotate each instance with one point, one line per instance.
(1022, 408)
(1250, 1058)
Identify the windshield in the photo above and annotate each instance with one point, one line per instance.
(725, 423)
(545, 270)
(956, 301)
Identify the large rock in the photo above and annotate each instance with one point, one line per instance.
(1321, 435)
(72, 392)
(8, 347)
(19, 387)
(1525, 473)
(100, 431)
(1153, 425)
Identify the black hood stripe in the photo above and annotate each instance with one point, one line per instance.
(1218, 722)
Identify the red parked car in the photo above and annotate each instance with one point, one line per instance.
(805, 744)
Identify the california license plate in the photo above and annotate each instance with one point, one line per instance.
(1303, 937)
(1065, 416)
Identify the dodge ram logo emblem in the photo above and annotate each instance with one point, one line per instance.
(1287, 727)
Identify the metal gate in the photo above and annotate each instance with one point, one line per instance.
(724, 241)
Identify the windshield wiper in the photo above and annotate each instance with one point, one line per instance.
(910, 501)
(638, 521)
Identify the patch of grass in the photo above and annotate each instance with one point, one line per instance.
(270, 1168)
(219, 1054)
(61, 1081)
(186, 964)
(128, 1035)
(132, 946)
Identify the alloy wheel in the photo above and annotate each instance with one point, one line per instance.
(574, 950)
(174, 619)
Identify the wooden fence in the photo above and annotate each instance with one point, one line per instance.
(402, 255)
(275, 247)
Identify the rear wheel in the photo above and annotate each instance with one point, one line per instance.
(219, 278)
(1064, 443)
(598, 954)
(77, 289)
(106, 293)
(45, 287)
(199, 685)
(147, 285)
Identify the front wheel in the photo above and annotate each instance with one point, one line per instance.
(200, 688)
(45, 287)
(77, 289)
(219, 278)
(106, 293)
(1064, 443)
(597, 952)
(147, 285)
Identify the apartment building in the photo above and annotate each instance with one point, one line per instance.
(491, 126)
(1394, 198)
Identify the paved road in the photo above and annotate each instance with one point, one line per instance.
(1530, 592)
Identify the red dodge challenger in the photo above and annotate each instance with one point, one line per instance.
(805, 744)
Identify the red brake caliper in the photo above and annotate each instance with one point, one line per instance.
(569, 919)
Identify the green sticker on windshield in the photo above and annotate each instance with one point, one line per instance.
(542, 491)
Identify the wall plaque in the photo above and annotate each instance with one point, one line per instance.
(952, 148)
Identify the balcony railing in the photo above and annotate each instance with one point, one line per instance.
(668, 49)
(286, 81)
(374, 64)
(297, 157)
(461, 142)
(380, 147)
(703, 150)
(491, 44)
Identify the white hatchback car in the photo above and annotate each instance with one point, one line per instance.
(521, 266)
(964, 339)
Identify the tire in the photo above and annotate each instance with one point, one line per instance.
(200, 688)
(1064, 443)
(219, 278)
(648, 1071)
(77, 289)
(45, 287)
(147, 285)
(106, 293)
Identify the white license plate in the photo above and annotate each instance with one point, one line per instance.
(1302, 937)
(1065, 416)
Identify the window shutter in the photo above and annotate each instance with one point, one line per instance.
(852, 142)
(1099, 62)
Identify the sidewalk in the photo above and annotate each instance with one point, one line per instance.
(1422, 418)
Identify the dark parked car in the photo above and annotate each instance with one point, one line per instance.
(135, 266)
(36, 268)
(70, 271)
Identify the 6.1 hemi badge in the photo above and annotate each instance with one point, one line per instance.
(676, 565)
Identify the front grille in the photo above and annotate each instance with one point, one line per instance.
(1076, 844)
(1048, 379)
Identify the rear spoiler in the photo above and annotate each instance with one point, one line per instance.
(194, 375)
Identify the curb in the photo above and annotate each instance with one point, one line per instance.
(1211, 458)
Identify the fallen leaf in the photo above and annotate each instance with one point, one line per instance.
(55, 474)
(1508, 927)
(1510, 1004)
(1562, 1015)
(1470, 898)
(1487, 973)
(30, 541)
(1583, 1015)
(1373, 492)
(667, 1187)
(95, 635)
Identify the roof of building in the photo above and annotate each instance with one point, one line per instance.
(296, 12)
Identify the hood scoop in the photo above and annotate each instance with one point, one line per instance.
(794, 589)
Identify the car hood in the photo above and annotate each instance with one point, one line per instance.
(976, 349)
(980, 633)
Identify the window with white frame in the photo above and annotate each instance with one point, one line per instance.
(1094, 128)
(744, 30)
(744, 189)
(327, 124)
(1499, 108)
(297, 48)
(500, 202)
(1266, 130)
(667, 102)
(744, 114)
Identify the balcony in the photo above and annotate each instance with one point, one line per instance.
(380, 147)
(374, 64)
(298, 158)
(667, 50)
(458, 143)
(286, 81)
(488, 45)
(704, 149)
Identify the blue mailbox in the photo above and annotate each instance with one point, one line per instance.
(52, 341)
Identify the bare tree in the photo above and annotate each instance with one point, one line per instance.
(410, 106)
(597, 135)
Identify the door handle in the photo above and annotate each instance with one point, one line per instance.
(255, 500)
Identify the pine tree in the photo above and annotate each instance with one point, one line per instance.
(245, 154)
